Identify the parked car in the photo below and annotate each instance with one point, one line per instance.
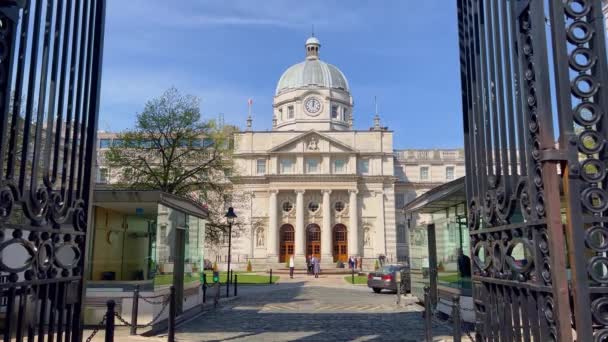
(386, 278)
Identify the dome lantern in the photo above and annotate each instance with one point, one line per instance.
(312, 48)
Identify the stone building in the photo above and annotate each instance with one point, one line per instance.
(313, 184)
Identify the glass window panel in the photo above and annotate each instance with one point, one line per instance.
(261, 166)
(104, 143)
(364, 166)
(312, 165)
(424, 173)
(449, 173)
(339, 166)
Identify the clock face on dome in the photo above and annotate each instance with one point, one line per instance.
(312, 105)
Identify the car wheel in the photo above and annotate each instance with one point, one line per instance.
(377, 290)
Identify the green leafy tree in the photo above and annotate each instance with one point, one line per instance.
(172, 149)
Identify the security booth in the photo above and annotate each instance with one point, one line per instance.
(148, 240)
(439, 247)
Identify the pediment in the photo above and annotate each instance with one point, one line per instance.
(312, 141)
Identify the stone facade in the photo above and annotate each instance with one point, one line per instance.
(313, 185)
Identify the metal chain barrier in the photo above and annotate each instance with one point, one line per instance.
(165, 304)
(162, 302)
(97, 328)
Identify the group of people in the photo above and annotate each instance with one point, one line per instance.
(313, 265)
(355, 263)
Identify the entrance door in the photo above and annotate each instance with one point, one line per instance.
(313, 240)
(340, 243)
(287, 238)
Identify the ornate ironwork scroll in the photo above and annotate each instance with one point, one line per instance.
(50, 71)
(522, 183)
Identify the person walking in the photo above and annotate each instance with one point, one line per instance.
(309, 264)
(316, 265)
(291, 266)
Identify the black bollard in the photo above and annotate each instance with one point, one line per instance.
(353, 276)
(270, 279)
(110, 321)
(134, 310)
(236, 284)
(227, 284)
(204, 278)
(204, 293)
(172, 313)
(456, 317)
(427, 314)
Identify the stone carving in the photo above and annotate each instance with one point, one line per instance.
(313, 144)
(367, 237)
(259, 238)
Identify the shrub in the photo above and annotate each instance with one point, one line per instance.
(249, 268)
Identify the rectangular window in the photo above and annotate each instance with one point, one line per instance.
(364, 166)
(261, 166)
(449, 173)
(281, 114)
(286, 165)
(339, 166)
(334, 112)
(401, 232)
(103, 175)
(104, 143)
(290, 113)
(118, 143)
(312, 165)
(424, 173)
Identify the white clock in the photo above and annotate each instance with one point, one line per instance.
(312, 106)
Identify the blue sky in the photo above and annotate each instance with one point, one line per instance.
(405, 52)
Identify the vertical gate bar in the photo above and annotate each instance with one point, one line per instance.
(61, 289)
(51, 121)
(12, 24)
(53, 311)
(21, 313)
(510, 110)
(600, 69)
(61, 93)
(29, 104)
(92, 114)
(485, 115)
(76, 133)
(533, 316)
(31, 319)
(67, 174)
(10, 306)
(42, 312)
(519, 98)
(84, 87)
(18, 92)
(477, 115)
(465, 82)
(523, 300)
(38, 153)
(551, 179)
(493, 93)
(69, 322)
(516, 314)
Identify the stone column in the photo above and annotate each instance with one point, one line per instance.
(380, 236)
(353, 229)
(326, 236)
(273, 228)
(300, 243)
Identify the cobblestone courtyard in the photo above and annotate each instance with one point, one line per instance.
(302, 310)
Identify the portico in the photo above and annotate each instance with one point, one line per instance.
(307, 227)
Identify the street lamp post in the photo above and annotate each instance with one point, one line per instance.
(230, 216)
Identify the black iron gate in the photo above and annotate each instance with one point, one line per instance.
(537, 206)
(50, 69)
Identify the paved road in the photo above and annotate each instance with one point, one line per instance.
(308, 311)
